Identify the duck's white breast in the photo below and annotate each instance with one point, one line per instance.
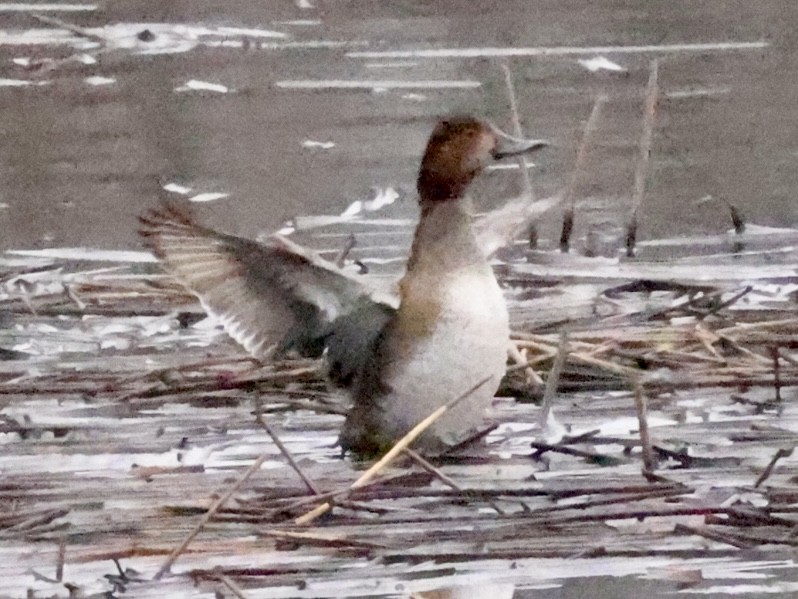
(466, 344)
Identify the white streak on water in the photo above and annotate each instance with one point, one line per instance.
(596, 269)
(322, 145)
(697, 92)
(383, 84)
(752, 233)
(166, 37)
(778, 587)
(353, 209)
(600, 63)
(384, 197)
(196, 85)
(85, 58)
(384, 261)
(508, 167)
(309, 44)
(302, 223)
(177, 188)
(39, 36)
(399, 64)
(377, 234)
(300, 22)
(19, 7)
(87, 254)
(248, 32)
(98, 80)
(558, 50)
(20, 83)
(209, 196)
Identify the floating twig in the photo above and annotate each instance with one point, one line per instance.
(518, 131)
(447, 480)
(305, 501)
(729, 302)
(569, 197)
(79, 31)
(591, 456)
(469, 441)
(69, 290)
(321, 540)
(736, 216)
(223, 498)
(231, 585)
(774, 354)
(624, 498)
(553, 380)
(519, 357)
(526, 178)
(284, 450)
(649, 464)
(781, 453)
(644, 155)
(713, 535)
(350, 244)
(59, 566)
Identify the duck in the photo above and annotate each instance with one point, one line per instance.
(447, 336)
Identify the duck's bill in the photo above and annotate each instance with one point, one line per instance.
(507, 145)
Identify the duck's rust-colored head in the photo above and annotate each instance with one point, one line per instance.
(458, 150)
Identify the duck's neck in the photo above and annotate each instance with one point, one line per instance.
(444, 241)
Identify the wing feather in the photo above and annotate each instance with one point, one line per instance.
(267, 296)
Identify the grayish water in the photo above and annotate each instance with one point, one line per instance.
(79, 160)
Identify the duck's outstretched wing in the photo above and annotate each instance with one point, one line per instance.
(499, 228)
(270, 297)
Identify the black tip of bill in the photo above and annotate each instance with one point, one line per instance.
(508, 145)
